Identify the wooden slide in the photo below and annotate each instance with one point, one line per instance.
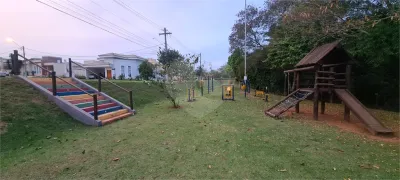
(361, 112)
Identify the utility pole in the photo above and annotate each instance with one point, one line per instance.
(165, 33)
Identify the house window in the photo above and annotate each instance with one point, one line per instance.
(122, 69)
(129, 71)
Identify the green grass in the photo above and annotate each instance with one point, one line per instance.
(204, 139)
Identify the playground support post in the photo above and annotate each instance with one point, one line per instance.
(348, 83)
(316, 94)
(331, 69)
(297, 77)
(245, 89)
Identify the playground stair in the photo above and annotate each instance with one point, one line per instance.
(288, 102)
(78, 103)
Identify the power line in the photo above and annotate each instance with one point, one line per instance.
(8, 51)
(112, 26)
(179, 42)
(121, 29)
(90, 23)
(142, 49)
(56, 53)
(136, 13)
(122, 19)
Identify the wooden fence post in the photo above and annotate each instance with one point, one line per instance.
(297, 79)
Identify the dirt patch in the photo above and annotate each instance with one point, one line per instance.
(3, 127)
(172, 107)
(336, 119)
(37, 101)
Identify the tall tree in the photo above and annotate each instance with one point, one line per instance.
(146, 70)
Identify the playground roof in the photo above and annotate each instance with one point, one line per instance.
(324, 54)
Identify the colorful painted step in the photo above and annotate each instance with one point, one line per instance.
(61, 86)
(100, 107)
(112, 114)
(68, 89)
(115, 118)
(107, 110)
(69, 93)
(75, 97)
(84, 100)
(90, 103)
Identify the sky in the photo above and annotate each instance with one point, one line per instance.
(197, 26)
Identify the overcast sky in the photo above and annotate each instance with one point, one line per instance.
(197, 26)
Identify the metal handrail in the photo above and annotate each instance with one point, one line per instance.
(34, 63)
(56, 76)
(75, 86)
(101, 77)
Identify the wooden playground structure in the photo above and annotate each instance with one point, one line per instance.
(324, 72)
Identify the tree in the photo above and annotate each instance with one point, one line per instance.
(146, 70)
(234, 61)
(255, 30)
(178, 74)
(281, 33)
(168, 56)
(200, 70)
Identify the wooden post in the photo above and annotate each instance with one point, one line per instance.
(348, 77)
(53, 82)
(297, 77)
(331, 69)
(99, 83)
(284, 86)
(212, 83)
(70, 67)
(348, 83)
(322, 104)
(14, 62)
(346, 113)
(208, 84)
(130, 100)
(95, 109)
(316, 94)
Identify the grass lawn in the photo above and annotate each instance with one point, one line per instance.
(204, 139)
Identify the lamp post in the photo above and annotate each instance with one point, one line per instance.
(10, 40)
(245, 46)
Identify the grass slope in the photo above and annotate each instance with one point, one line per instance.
(205, 139)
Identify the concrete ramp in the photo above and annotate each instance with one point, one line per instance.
(361, 112)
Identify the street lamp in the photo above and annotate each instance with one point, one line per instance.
(11, 40)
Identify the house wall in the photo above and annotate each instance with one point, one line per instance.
(117, 63)
(78, 71)
(60, 69)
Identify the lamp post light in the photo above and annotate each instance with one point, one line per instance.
(10, 40)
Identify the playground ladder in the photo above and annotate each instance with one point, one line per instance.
(288, 102)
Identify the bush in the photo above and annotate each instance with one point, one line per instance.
(121, 77)
(80, 77)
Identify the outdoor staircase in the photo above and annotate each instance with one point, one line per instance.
(72, 96)
(289, 101)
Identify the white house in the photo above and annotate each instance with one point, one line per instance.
(120, 64)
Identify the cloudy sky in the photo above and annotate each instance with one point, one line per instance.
(197, 26)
